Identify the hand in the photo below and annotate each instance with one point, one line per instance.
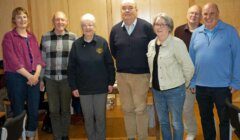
(35, 79)
(110, 88)
(42, 86)
(75, 93)
(233, 90)
(30, 80)
(193, 90)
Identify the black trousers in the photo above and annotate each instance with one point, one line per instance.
(207, 97)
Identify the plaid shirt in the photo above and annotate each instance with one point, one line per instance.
(55, 52)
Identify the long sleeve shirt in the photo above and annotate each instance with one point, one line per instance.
(55, 52)
(216, 56)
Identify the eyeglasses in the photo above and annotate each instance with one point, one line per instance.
(161, 25)
(88, 25)
(129, 8)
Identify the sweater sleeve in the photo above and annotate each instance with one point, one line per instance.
(235, 49)
(184, 60)
(112, 44)
(9, 53)
(72, 70)
(109, 64)
(192, 55)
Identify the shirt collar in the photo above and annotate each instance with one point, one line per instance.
(219, 26)
(167, 41)
(186, 28)
(65, 33)
(94, 40)
(133, 24)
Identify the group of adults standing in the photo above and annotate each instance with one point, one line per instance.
(144, 54)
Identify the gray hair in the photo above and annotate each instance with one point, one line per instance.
(166, 18)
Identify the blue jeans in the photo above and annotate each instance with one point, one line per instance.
(206, 98)
(170, 101)
(19, 93)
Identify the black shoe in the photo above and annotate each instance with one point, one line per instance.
(65, 138)
(47, 129)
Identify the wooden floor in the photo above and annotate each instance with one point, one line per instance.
(115, 126)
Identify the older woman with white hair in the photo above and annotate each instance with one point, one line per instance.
(171, 70)
(91, 76)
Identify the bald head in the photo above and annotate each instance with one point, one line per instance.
(129, 1)
(59, 14)
(60, 22)
(210, 15)
(212, 6)
(194, 15)
(195, 8)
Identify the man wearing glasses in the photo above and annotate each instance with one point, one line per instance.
(128, 43)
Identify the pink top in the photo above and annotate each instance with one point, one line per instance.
(16, 52)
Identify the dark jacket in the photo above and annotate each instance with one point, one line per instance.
(90, 67)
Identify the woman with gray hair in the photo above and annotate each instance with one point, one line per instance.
(171, 70)
(91, 76)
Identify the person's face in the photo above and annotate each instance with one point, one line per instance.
(160, 28)
(21, 20)
(88, 27)
(60, 22)
(194, 15)
(210, 16)
(128, 11)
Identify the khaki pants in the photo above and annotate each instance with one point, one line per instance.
(133, 89)
(190, 123)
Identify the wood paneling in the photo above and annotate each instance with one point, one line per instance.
(229, 10)
(176, 9)
(98, 8)
(143, 10)
(42, 12)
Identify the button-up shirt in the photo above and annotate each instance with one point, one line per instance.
(55, 52)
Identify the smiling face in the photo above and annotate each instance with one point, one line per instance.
(88, 28)
(194, 15)
(128, 11)
(210, 15)
(21, 20)
(161, 29)
(59, 22)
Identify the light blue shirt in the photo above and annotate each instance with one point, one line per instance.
(131, 27)
(216, 57)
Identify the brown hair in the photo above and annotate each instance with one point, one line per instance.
(18, 11)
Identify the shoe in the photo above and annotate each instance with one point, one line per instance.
(65, 138)
(47, 129)
(190, 137)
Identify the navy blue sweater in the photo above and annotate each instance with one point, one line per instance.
(91, 68)
(130, 50)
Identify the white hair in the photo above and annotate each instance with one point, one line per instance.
(88, 16)
(128, 1)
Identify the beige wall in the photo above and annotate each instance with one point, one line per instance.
(107, 12)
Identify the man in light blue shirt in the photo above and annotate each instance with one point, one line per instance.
(215, 52)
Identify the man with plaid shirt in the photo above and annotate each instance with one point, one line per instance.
(56, 45)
